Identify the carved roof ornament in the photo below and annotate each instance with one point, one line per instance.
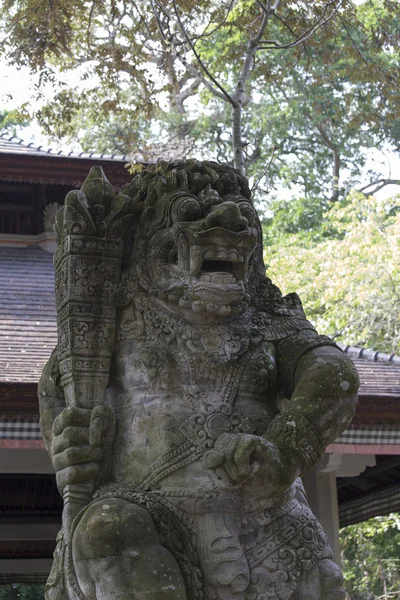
(49, 216)
(175, 149)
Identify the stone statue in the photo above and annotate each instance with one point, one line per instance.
(185, 399)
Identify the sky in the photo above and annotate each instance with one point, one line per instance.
(19, 86)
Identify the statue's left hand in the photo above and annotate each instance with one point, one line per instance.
(81, 445)
(251, 460)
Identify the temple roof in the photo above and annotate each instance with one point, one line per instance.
(28, 163)
(379, 384)
(366, 354)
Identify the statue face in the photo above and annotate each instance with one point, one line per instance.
(199, 251)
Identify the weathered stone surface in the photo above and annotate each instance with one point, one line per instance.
(162, 407)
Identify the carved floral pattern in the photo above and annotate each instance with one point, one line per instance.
(61, 282)
(94, 278)
(91, 334)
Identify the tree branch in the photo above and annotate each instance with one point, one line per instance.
(353, 42)
(273, 45)
(294, 35)
(185, 94)
(204, 34)
(197, 75)
(251, 49)
(90, 24)
(159, 24)
(198, 58)
(265, 170)
(169, 40)
(379, 184)
(336, 161)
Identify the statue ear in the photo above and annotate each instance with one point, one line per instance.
(293, 302)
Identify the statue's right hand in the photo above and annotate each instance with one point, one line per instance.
(78, 444)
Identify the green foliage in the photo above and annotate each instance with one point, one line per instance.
(345, 265)
(371, 558)
(11, 119)
(22, 591)
(305, 215)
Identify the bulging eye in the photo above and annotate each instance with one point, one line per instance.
(247, 211)
(185, 208)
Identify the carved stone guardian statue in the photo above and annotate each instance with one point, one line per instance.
(162, 406)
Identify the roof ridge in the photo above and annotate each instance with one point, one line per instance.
(369, 354)
(96, 155)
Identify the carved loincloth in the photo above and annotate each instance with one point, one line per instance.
(254, 550)
(222, 554)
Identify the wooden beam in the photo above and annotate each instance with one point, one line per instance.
(25, 565)
(28, 531)
(20, 460)
(381, 467)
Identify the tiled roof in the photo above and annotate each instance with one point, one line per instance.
(366, 354)
(379, 372)
(378, 378)
(27, 163)
(28, 330)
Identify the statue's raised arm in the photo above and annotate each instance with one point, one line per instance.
(160, 406)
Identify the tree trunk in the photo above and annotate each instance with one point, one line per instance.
(336, 174)
(336, 161)
(237, 142)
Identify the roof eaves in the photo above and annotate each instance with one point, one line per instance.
(33, 150)
(369, 355)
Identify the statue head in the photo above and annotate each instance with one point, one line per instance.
(197, 237)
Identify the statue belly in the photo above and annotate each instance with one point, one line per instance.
(148, 427)
(163, 429)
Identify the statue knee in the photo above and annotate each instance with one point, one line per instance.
(331, 578)
(110, 527)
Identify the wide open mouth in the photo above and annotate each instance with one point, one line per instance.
(236, 269)
(216, 253)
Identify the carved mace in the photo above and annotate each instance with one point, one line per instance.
(91, 229)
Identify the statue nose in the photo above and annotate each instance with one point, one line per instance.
(226, 215)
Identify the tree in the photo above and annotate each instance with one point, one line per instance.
(245, 32)
(334, 258)
(322, 104)
(168, 38)
(371, 558)
(310, 83)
